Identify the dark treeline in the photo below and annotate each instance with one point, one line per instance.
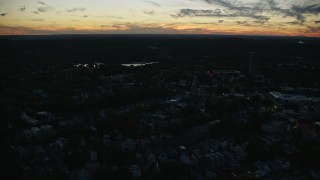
(119, 49)
(221, 52)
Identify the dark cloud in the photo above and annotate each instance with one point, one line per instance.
(85, 16)
(44, 9)
(242, 22)
(231, 6)
(285, 12)
(113, 17)
(247, 23)
(310, 9)
(80, 9)
(298, 12)
(255, 9)
(220, 21)
(313, 29)
(228, 9)
(218, 13)
(3, 14)
(219, 2)
(316, 22)
(203, 23)
(149, 12)
(38, 20)
(153, 3)
(42, 3)
(294, 22)
(131, 28)
(116, 26)
(22, 9)
(113, 26)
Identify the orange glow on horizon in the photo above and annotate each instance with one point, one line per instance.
(156, 28)
(123, 30)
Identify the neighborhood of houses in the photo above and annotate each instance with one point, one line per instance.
(159, 122)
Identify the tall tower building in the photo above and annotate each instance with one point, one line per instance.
(254, 64)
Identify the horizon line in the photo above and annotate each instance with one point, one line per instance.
(159, 34)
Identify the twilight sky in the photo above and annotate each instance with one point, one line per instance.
(245, 17)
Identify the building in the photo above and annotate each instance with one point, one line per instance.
(293, 97)
(135, 170)
(273, 127)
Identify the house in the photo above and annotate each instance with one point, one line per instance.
(38, 149)
(185, 159)
(183, 150)
(273, 127)
(293, 97)
(216, 159)
(262, 169)
(135, 170)
(129, 145)
(200, 130)
(62, 142)
(82, 174)
(182, 83)
(36, 131)
(151, 158)
(210, 174)
(62, 123)
(266, 168)
(237, 95)
(30, 120)
(279, 165)
(239, 151)
(268, 140)
(161, 155)
(107, 139)
(172, 152)
(27, 133)
(139, 159)
(46, 129)
(309, 133)
(317, 126)
(47, 116)
(196, 155)
(93, 165)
